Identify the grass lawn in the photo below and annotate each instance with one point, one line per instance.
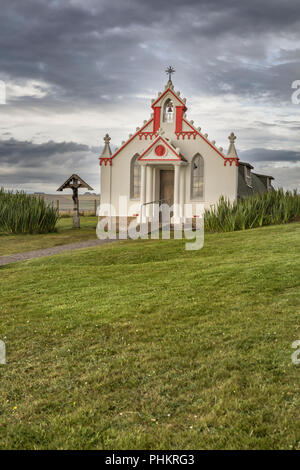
(11, 244)
(144, 345)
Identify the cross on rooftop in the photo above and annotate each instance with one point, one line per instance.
(169, 71)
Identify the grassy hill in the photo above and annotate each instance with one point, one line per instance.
(142, 344)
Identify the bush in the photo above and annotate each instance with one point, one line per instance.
(273, 207)
(25, 213)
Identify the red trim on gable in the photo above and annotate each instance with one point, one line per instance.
(105, 160)
(179, 114)
(131, 138)
(174, 94)
(156, 119)
(164, 159)
(147, 134)
(231, 160)
(225, 158)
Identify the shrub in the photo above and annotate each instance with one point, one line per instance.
(273, 207)
(25, 213)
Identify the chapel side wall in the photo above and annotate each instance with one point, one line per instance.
(121, 177)
(104, 184)
(219, 180)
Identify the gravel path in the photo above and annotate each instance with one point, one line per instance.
(50, 251)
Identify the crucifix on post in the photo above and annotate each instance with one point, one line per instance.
(74, 183)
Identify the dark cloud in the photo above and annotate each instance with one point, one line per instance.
(29, 154)
(45, 166)
(91, 49)
(269, 155)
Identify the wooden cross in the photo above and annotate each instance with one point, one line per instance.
(74, 183)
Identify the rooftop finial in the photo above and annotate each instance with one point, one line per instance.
(106, 152)
(231, 150)
(169, 71)
(232, 138)
(106, 139)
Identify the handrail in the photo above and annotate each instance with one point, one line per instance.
(151, 202)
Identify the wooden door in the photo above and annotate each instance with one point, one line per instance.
(167, 186)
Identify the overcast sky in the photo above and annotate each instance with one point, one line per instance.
(76, 69)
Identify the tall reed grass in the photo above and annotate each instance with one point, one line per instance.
(25, 213)
(273, 207)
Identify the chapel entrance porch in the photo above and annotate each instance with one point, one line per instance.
(163, 183)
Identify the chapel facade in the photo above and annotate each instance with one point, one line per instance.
(169, 160)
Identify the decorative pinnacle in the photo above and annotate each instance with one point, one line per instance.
(106, 139)
(169, 71)
(232, 138)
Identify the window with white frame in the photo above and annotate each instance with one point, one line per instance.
(135, 178)
(197, 177)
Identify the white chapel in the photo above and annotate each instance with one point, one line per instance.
(170, 160)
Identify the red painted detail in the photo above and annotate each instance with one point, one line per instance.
(156, 119)
(175, 96)
(131, 138)
(135, 215)
(147, 134)
(165, 143)
(105, 160)
(187, 134)
(231, 160)
(160, 150)
(226, 159)
(179, 114)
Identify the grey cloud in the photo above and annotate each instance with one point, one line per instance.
(93, 49)
(269, 155)
(30, 166)
(27, 153)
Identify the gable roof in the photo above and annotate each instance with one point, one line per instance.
(175, 153)
(173, 93)
(131, 138)
(210, 144)
(246, 164)
(263, 176)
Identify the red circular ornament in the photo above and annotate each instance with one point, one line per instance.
(160, 150)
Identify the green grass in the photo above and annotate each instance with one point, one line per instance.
(11, 244)
(142, 344)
